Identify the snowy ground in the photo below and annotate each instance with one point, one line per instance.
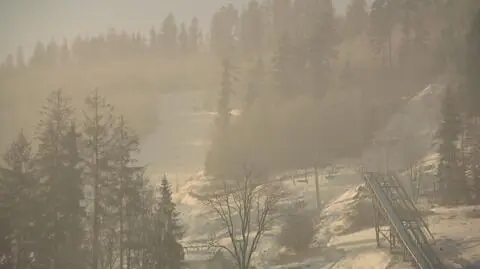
(346, 239)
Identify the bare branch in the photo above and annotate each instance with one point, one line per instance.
(245, 209)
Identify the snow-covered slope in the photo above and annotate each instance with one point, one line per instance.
(409, 135)
(345, 237)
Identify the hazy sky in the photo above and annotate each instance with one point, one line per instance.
(24, 22)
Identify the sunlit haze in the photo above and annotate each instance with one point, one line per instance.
(239, 134)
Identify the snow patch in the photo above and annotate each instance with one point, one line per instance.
(350, 212)
(409, 135)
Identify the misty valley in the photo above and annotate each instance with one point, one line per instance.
(259, 134)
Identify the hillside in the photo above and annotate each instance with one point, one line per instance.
(345, 237)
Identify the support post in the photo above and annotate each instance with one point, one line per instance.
(317, 188)
(376, 220)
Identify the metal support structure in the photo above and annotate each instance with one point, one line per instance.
(406, 231)
(198, 248)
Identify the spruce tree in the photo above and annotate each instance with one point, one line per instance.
(6, 222)
(64, 57)
(71, 253)
(57, 167)
(222, 122)
(252, 29)
(99, 143)
(26, 208)
(193, 36)
(223, 35)
(472, 67)
(223, 106)
(322, 50)
(169, 208)
(124, 171)
(38, 58)
(381, 26)
(284, 67)
(172, 231)
(139, 202)
(18, 195)
(472, 98)
(453, 185)
(169, 34)
(255, 85)
(183, 39)
(356, 18)
(153, 41)
(18, 156)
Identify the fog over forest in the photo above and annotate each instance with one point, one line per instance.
(135, 133)
(35, 20)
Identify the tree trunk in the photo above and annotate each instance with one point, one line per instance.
(95, 195)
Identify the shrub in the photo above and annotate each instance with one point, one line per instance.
(297, 232)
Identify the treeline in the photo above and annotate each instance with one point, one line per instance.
(331, 80)
(423, 35)
(459, 133)
(386, 50)
(313, 85)
(171, 39)
(74, 196)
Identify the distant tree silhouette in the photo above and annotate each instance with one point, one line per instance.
(183, 39)
(194, 36)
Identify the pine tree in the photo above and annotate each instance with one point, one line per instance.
(223, 31)
(99, 140)
(255, 85)
(124, 172)
(252, 30)
(414, 34)
(472, 97)
(380, 30)
(64, 57)
(39, 56)
(284, 67)
(24, 206)
(16, 186)
(322, 50)
(222, 121)
(153, 41)
(139, 202)
(472, 67)
(169, 208)
(193, 35)
(169, 34)
(183, 39)
(18, 157)
(6, 221)
(51, 54)
(72, 255)
(356, 18)
(223, 107)
(453, 186)
(57, 163)
(170, 230)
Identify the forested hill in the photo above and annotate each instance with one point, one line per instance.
(34, 21)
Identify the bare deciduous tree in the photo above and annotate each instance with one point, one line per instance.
(245, 209)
